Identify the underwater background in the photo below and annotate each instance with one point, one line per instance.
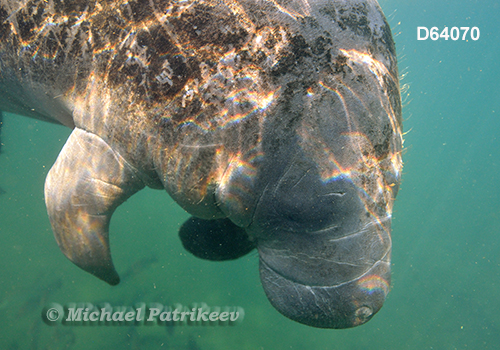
(446, 224)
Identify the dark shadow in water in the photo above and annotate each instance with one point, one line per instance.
(138, 267)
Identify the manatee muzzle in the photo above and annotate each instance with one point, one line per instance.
(346, 303)
(324, 257)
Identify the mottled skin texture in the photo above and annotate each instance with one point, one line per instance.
(281, 119)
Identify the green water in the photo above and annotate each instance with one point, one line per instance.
(446, 228)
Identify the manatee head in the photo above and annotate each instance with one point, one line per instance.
(312, 181)
(317, 207)
(324, 257)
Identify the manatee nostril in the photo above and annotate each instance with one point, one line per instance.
(363, 313)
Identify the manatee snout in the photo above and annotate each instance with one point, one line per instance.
(343, 305)
(324, 258)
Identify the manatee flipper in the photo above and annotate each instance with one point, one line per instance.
(215, 240)
(84, 187)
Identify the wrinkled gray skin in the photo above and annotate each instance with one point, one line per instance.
(281, 119)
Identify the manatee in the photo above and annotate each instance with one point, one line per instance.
(275, 123)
